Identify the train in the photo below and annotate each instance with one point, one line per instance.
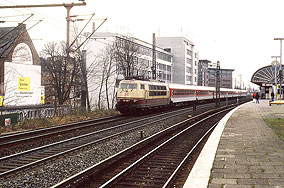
(140, 95)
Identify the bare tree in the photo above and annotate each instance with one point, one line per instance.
(127, 52)
(121, 57)
(84, 70)
(62, 70)
(84, 73)
(108, 73)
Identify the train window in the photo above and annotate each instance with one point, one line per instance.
(202, 92)
(142, 86)
(152, 87)
(157, 93)
(128, 86)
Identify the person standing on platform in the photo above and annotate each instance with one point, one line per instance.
(253, 97)
(257, 97)
(272, 96)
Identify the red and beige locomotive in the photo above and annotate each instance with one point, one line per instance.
(134, 95)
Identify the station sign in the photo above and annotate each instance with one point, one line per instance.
(24, 83)
(42, 94)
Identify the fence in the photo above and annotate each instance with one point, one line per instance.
(38, 111)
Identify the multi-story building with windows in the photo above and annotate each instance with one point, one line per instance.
(207, 75)
(185, 59)
(226, 77)
(96, 50)
(203, 74)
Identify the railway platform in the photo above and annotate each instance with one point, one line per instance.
(242, 152)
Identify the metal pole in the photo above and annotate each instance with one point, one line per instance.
(83, 81)
(154, 64)
(44, 5)
(280, 69)
(275, 74)
(68, 8)
(275, 71)
(280, 81)
(218, 84)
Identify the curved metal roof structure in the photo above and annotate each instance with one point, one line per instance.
(265, 75)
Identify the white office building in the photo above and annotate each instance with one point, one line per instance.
(185, 59)
(96, 56)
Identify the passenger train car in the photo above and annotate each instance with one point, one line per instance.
(134, 95)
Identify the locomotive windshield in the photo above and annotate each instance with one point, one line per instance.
(128, 86)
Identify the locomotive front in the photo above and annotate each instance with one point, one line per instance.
(130, 95)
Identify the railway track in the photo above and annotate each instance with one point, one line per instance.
(154, 162)
(32, 135)
(33, 157)
(26, 136)
(19, 142)
(104, 144)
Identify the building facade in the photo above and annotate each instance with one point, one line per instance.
(203, 74)
(97, 50)
(185, 59)
(20, 68)
(226, 78)
(207, 72)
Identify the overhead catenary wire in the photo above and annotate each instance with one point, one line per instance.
(82, 15)
(17, 21)
(68, 6)
(14, 16)
(15, 27)
(81, 30)
(33, 25)
(47, 19)
(91, 35)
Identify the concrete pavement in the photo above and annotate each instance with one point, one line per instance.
(242, 152)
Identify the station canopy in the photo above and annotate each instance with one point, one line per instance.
(265, 76)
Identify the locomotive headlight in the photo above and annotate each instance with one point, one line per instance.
(135, 100)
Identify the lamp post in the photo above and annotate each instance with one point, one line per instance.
(275, 63)
(280, 68)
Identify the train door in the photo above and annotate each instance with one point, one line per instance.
(146, 95)
(142, 88)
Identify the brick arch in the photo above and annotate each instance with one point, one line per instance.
(24, 38)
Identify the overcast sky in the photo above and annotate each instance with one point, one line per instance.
(238, 33)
